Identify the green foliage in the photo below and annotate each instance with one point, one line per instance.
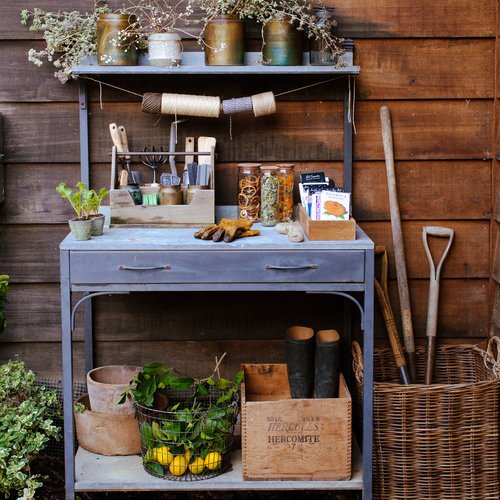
(85, 202)
(26, 412)
(70, 37)
(4, 288)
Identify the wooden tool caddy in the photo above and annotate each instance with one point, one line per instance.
(124, 213)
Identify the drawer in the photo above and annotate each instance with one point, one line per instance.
(217, 267)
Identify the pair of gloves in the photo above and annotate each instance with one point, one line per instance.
(227, 230)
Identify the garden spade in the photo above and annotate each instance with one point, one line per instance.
(432, 307)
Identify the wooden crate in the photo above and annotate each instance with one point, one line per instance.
(124, 213)
(326, 229)
(292, 439)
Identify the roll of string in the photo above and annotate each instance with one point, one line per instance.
(181, 104)
(239, 105)
(263, 104)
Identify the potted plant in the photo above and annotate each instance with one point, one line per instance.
(157, 21)
(27, 410)
(224, 31)
(94, 200)
(70, 37)
(82, 225)
(186, 424)
(282, 19)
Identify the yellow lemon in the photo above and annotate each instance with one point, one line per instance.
(178, 465)
(213, 460)
(197, 466)
(162, 455)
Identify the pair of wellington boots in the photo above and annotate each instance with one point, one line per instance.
(313, 362)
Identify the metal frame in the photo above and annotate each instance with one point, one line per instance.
(345, 290)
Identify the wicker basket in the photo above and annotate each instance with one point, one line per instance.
(439, 441)
(164, 435)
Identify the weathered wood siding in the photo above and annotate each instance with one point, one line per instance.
(435, 64)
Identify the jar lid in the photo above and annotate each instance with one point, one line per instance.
(269, 168)
(286, 165)
(249, 165)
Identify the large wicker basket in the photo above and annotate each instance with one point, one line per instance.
(439, 441)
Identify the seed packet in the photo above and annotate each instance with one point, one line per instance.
(333, 205)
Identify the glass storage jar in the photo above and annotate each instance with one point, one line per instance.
(285, 177)
(269, 196)
(249, 191)
(319, 53)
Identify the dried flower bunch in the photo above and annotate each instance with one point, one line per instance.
(70, 37)
(301, 14)
(159, 16)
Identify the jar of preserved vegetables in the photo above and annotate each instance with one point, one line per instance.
(269, 196)
(285, 206)
(249, 191)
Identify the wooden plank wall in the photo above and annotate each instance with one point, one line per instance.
(433, 63)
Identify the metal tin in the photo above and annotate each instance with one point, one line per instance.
(170, 195)
(113, 49)
(225, 41)
(282, 44)
(319, 53)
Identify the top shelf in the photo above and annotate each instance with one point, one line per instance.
(194, 63)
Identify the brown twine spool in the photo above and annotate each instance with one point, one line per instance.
(181, 104)
(263, 104)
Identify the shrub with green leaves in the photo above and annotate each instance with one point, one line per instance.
(26, 425)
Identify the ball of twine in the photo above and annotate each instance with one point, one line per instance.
(239, 105)
(181, 104)
(263, 104)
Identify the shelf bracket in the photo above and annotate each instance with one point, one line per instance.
(86, 297)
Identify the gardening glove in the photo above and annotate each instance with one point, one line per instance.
(228, 229)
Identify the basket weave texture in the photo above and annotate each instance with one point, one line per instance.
(438, 441)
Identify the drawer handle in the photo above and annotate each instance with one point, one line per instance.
(148, 268)
(291, 268)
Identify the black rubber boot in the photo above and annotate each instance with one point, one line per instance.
(327, 364)
(300, 360)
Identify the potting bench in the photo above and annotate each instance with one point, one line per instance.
(126, 260)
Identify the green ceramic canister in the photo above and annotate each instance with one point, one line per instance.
(282, 44)
(225, 41)
(114, 48)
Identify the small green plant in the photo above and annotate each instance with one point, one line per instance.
(26, 425)
(94, 200)
(79, 200)
(4, 288)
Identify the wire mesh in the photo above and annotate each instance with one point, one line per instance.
(191, 440)
(55, 448)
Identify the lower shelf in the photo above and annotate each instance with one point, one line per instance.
(101, 473)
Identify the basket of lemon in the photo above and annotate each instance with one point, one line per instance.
(186, 425)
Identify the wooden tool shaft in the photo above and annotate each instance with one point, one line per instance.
(397, 236)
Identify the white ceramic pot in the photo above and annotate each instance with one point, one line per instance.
(165, 49)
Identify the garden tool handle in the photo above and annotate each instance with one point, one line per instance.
(433, 302)
(115, 137)
(124, 140)
(390, 323)
(397, 237)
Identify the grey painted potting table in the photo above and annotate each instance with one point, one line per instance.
(151, 260)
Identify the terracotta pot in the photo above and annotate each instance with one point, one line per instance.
(106, 434)
(282, 44)
(97, 225)
(225, 41)
(81, 230)
(164, 49)
(106, 384)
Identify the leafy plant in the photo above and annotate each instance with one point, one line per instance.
(26, 412)
(70, 37)
(193, 426)
(94, 200)
(4, 288)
